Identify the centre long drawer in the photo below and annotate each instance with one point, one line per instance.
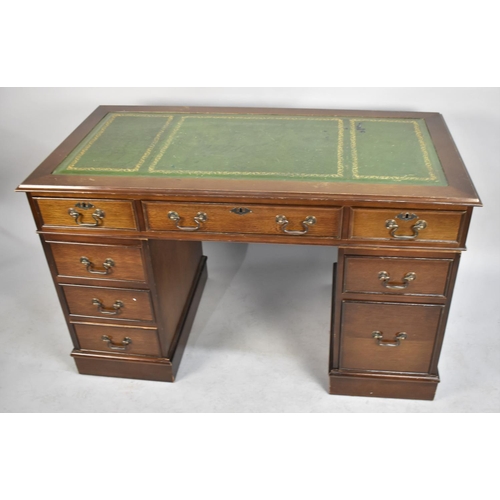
(252, 219)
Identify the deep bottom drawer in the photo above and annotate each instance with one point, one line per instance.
(388, 337)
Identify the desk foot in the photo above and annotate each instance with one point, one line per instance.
(105, 365)
(383, 385)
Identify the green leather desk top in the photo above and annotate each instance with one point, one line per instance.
(273, 147)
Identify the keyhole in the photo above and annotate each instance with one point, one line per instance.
(406, 216)
(84, 205)
(240, 210)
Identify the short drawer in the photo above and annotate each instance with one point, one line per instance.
(388, 337)
(396, 275)
(118, 339)
(241, 219)
(406, 226)
(109, 303)
(87, 214)
(81, 260)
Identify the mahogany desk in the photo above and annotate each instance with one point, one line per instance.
(123, 204)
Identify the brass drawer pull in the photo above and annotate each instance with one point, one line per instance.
(98, 215)
(282, 221)
(199, 218)
(117, 307)
(393, 226)
(384, 277)
(122, 346)
(387, 343)
(107, 264)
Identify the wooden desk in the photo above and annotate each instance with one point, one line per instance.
(123, 204)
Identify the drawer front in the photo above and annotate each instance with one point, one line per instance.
(251, 219)
(109, 303)
(407, 226)
(118, 340)
(81, 260)
(87, 214)
(396, 275)
(386, 350)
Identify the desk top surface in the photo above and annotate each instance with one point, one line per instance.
(245, 151)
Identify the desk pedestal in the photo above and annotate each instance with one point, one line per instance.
(389, 315)
(129, 304)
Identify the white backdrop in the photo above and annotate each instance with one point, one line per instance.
(35, 360)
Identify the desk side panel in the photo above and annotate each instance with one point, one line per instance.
(174, 266)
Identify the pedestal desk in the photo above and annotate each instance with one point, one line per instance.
(123, 204)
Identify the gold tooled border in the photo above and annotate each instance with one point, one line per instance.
(168, 142)
(420, 138)
(107, 123)
(340, 147)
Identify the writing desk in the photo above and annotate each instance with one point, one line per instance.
(123, 204)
